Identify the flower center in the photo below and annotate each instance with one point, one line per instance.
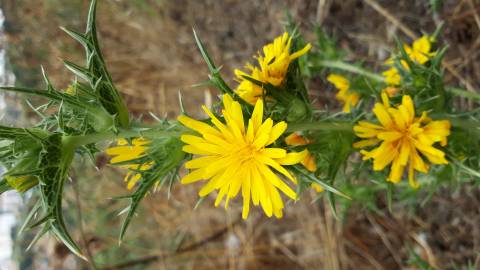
(246, 152)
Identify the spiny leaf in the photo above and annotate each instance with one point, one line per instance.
(101, 119)
(332, 204)
(81, 38)
(39, 235)
(91, 18)
(30, 217)
(313, 179)
(56, 161)
(78, 70)
(206, 57)
(96, 73)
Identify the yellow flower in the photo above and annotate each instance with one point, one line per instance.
(71, 90)
(234, 157)
(273, 67)
(124, 151)
(419, 52)
(404, 139)
(344, 95)
(309, 162)
(392, 77)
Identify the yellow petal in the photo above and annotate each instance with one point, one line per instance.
(339, 81)
(309, 162)
(274, 152)
(199, 162)
(193, 176)
(276, 181)
(408, 103)
(366, 143)
(396, 171)
(257, 116)
(293, 158)
(390, 136)
(296, 139)
(198, 126)
(274, 164)
(276, 131)
(382, 115)
(246, 195)
(301, 52)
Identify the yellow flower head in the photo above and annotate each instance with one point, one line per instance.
(234, 157)
(405, 140)
(124, 152)
(419, 52)
(348, 98)
(71, 90)
(392, 77)
(273, 66)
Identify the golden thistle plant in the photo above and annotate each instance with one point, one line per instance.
(264, 141)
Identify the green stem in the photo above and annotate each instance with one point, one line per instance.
(361, 71)
(351, 68)
(79, 140)
(330, 126)
(463, 93)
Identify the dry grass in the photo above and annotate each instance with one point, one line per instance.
(149, 48)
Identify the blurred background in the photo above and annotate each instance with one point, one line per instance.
(151, 54)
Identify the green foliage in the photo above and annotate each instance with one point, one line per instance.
(72, 122)
(95, 72)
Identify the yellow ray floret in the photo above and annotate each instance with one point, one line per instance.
(272, 69)
(344, 95)
(233, 158)
(124, 152)
(309, 162)
(403, 139)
